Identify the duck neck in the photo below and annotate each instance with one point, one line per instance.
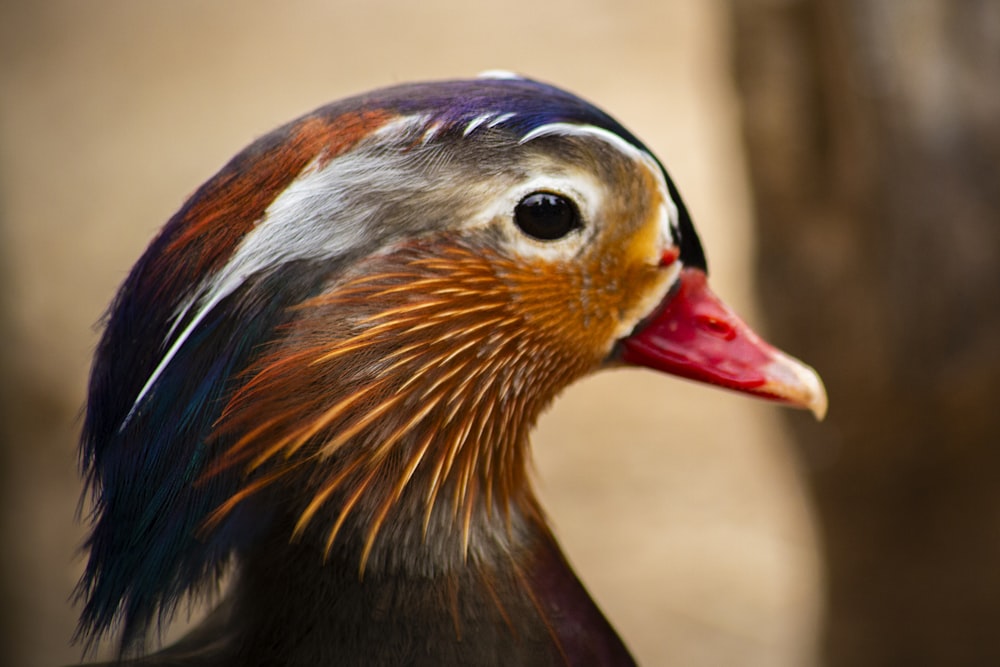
(389, 430)
(507, 597)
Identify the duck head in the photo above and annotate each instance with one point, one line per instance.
(349, 331)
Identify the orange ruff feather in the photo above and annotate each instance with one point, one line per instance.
(433, 359)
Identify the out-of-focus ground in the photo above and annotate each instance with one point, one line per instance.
(679, 505)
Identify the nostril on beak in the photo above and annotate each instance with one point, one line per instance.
(716, 327)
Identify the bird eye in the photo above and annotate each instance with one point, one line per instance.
(546, 216)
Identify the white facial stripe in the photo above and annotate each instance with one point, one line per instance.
(579, 130)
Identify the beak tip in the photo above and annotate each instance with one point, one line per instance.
(813, 395)
(798, 384)
(819, 403)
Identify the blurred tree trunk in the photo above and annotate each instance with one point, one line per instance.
(873, 134)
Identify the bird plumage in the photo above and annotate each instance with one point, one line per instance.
(324, 370)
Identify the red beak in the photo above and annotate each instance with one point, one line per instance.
(696, 336)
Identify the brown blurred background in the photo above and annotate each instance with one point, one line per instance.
(862, 137)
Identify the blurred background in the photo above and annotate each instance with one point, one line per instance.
(842, 164)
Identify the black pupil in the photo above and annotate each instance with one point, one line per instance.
(546, 216)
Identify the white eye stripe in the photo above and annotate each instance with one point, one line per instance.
(580, 130)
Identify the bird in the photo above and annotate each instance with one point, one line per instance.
(320, 380)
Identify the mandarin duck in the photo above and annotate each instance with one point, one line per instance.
(323, 373)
